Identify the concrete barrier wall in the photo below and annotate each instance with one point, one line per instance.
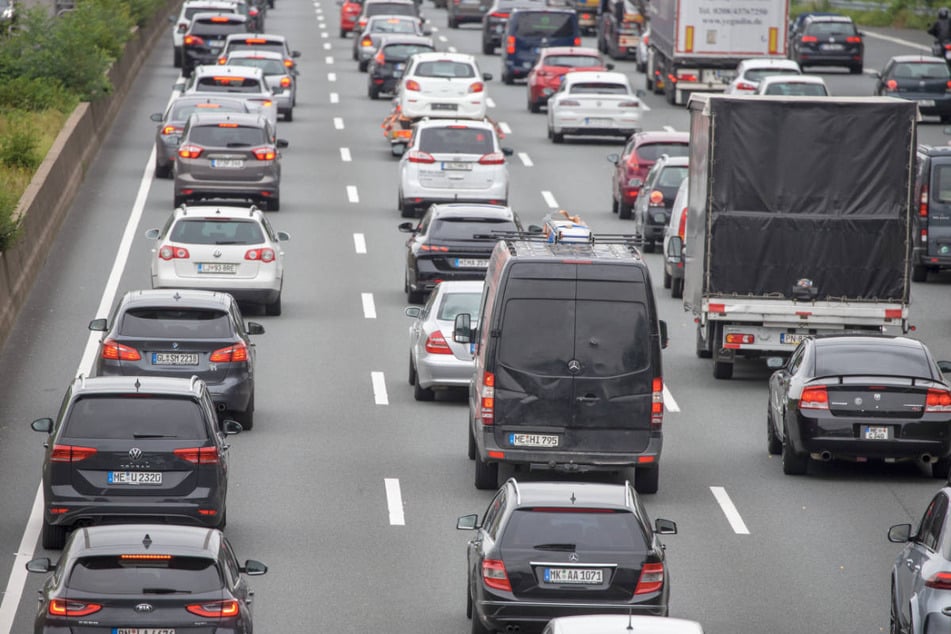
(50, 194)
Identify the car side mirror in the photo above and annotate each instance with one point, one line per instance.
(900, 533)
(171, 19)
(407, 227)
(775, 363)
(614, 157)
(486, 76)
(535, 229)
(253, 568)
(283, 236)
(282, 143)
(41, 564)
(664, 338)
(156, 117)
(468, 523)
(877, 74)
(462, 328)
(152, 234)
(665, 527)
(231, 427)
(44, 425)
(640, 93)
(295, 54)
(398, 149)
(413, 311)
(98, 325)
(609, 66)
(675, 249)
(254, 328)
(507, 151)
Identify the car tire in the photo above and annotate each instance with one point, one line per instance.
(486, 479)
(793, 463)
(246, 418)
(53, 536)
(723, 370)
(163, 171)
(177, 56)
(411, 375)
(677, 288)
(919, 273)
(649, 247)
(273, 203)
(179, 201)
(354, 54)
(773, 444)
(421, 393)
(647, 479)
(624, 211)
(533, 106)
(487, 48)
(668, 280)
(670, 93)
(507, 78)
(343, 34)
(940, 468)
(613, 205)
(289, 115)
(273, 309)
(453, 23)
(468, 601)
(362, 65)
(641, 67)
(703, 349)
(472, 445)
(223, 522)
(373, 92)
(557, 137)
(406, 211)
(893, 625)
(648, 82)
(415, 297)
(856, 70)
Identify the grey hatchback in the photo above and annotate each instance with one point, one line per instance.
(230, 156)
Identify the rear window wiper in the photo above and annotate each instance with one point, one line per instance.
(236, 144)
(138, 436)
(564, 547)
(230, 242)
(164, 591)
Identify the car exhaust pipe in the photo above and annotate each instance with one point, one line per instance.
(927, 458)
(220, 406)
(512, 628)
(825, 456)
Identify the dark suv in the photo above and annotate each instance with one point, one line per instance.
(828, 40)
(932, 244)
(183, 333)
(551, 549)
(205, 38)
(134, 449)
(652, 210)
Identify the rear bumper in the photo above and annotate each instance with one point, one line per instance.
(910, 440)
(443, 370)
(234, 392)
(564, 460)
(138, 510)
(258, 291)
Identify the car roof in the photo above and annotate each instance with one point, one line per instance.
(768, 62)
(250, 53)
(578, 76)
(674, 161)
(913, 59)
(214, 70)
(623, 624)
(445, 55)
(792, 79)
(851, 340)
(267, 36)
(463, 210)
(460, 286)
(198, 98)
(828, 18)
(661, 136)
(255, 119)
(935, 150)
(405, 38)
(445, 123)
(136, 384)
(227, 212)
(207, 15)
(572, 494)
(142, 539)
(176, 297)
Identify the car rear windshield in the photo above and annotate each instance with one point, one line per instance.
(453, 304)
(206, 28)
(216, 135)
(115, 574)
(942, 185)
(573, 61)
(445, 68)
(211, 231)
(757, 74)
(401, 52)
(672, 176)
(175, 323)
(386, 8)
(796, 89)
(181, 112)
(597, 529)
(830, 28)
(241, 45)
(268, 65)
(456, 139)
(921, 70)
(392, 25)
(598, 88)
(864, 359)
(467, 228)
(131, 416)
(226, 83)
(191, 11)
(544, 24)
(653, 151)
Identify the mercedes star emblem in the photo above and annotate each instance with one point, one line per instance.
(574, 366)
(573, 557)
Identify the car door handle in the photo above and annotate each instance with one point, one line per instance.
(588, 398)
(910, 563)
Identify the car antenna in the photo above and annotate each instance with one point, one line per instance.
(137, 384)
(572, 498)
(630, 618)
(177, 296)
(147, 541)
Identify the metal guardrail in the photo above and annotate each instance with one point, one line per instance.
(869, 5)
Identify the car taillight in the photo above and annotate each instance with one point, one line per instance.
(891, 84)
(577, 41)
(651, 579)
(232, 354)
(745, 85)
(190, 151)
(629, 104)
(657, 403)
(682, 227)
(736, 339)
(264, 254)
(415, 156)
(494, 575)
(487, 399)
(288, 62)
(433, 247)
(436, 344)
(362, 23)
(947, 87)
(476, 87)
(569, 103)
(193, 40)
(938, 400)
(264, 153)
(173, 253)
(684, 76)
(498, 15)
(939, 581)
(923, 202)
(656, 198)
(814, 398)
(853, 39)
(61, 607)
(71, 453)
(198, 455)
(412, 84)
(493, 158)
(171, 129)
(510, 45)
(253, 11)
(214, 609)
(115, 351)
(285, 82)
(222, 60)
(378, 58)
(809, 39)
(367, 41)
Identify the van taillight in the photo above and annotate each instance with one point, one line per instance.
(577, 41)
(510, 45)
(487, 399)
(923, 202)
(657, 403)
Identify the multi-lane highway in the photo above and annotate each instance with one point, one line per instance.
(349, 489)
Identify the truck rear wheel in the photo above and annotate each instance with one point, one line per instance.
(919, 273)
(723, 369)
(703, 347)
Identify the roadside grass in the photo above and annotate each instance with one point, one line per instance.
(901, 14)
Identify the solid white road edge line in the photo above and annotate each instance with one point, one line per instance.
(17, 580)
(359, 243)
(669, 403)
(896, 40)
(394, 501)
(379, 388)
(732, 515)
(345, 155)
(526, 161)
(369, 309)
(352, 194)
(549, 199)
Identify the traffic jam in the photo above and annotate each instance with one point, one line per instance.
(595, 243)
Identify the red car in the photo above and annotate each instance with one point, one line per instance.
(349, 12)
(640, 153)
(552, 64)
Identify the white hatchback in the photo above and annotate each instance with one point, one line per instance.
(454, 160)
(443, 85)
(793, 86)
(751, 71)
(594, 103)
(219, 248)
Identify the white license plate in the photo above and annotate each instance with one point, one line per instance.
(174, 358)
(134, 477)
(216, 43)
(629, 41)
(217, 267)
(533, 440)
(597, 121)
(466, 263)
(791, 339)
(457, 166)
(870, 432)
(726, 75)
(928, 103)
(574, 575)
(445, 106)
(399, 67)
(143, 630)
(228, 163)
(832, 47)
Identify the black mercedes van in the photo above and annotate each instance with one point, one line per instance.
(567, 361)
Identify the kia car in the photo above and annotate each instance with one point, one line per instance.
(631, 166)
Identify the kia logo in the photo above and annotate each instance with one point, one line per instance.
(144, 607)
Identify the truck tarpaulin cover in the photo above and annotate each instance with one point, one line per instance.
(806, 189)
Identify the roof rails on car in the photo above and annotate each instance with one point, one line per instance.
(593, 238)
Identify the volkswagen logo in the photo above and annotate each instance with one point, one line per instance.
(144, 607)
(574, 366)
(135, 453)
(217, 253)
(573, 557)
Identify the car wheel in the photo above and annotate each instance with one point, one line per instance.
(354, 55)
(647, 479)
(670, 93)
(940, 468)
(273, 203)
(641, 67)
(667, 279)
(468, 602)
(534, 106)
(472, 445)
(723, 370)
(246, 418)
(613, 205)
(163, 171)
(411, 376)
(289, 115)
(507, 78)
(648, 82)
(373, 92)
(421, 393)
(54, 537)
(274, 308)
(677, 288)
(919, 273)
(557, 137)
(406, 211)
(362, 65)
(703, 348)
(223, 523)
(453, 23)
(177, 57)
(343, 34)
(486, 478)
(793, 463)
(415, 297)
(624, 211)
(649, 247)
(856, 70)
(773, 444)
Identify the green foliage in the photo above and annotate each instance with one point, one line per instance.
(35, 95)
(18, 143)
(910, 14)
(143, 10)
(9, 229)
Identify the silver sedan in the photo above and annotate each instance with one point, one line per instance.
(435, 360)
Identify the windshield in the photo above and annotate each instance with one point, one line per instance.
(653, 151)
(826, 29)
(227, 136)
(268, 65)
(444, 68)
(757, 74)
(922, 70)
(584, 531)
(401, 52)
(598, 88)
(392, 25)
(796, 89)
(181, 112)
(545, 24)
(860, 359)
(228, 83)
(572, 61)
(456, 139)
(467, 228)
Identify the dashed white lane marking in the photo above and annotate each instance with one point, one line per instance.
(320, 19)
(338, 123)
(319, 11)
(345, 155)
(369, 308)
(379, 388)
(645, 107)
(490, 102)
(394, 501)
(321, 24)
(334, 98)
(896, 40)
(452, 49)
(732, 515)
(352, 194)
(331, 76)
(443, 38)
(327, 46)
(549, 199)
(504, 127)
(526, 161)
(669, 403)
(360, 243)
(324, 35)
(329, 59)
(669, 128)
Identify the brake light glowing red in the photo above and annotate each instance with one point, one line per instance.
(214, 609)
(815, 397)
(412, 84)
(494, 158)
(682, 227)
(415, 156)
(717, 308)
(656, 197)
(939, 581)
(436, 344)
(736, 339)
(115, 351)
(171, 129)
(366, 41)
(577, 41)
(71, 453)
(193, 40)
(220, 19)
(487, 399)
(285, 82)
(232, 354)
(379, 58)
(264, 153)
(510, 45)
(494, 575)
(651, 579)
(938, 400)
(745, 85)
(923, 202)
(265, 254)
(809, 39)
(657, 403)
(61, 607)
(891, 85)
(198, 455)
(190, 151)
(476, 87)
(173, 253)
(854, 39)
(499, 15)
(255, 40)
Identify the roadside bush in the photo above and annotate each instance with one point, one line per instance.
(9, 228)
(19, 144)
(35, 95)
(143, 10)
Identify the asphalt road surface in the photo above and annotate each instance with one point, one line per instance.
(349, 489)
